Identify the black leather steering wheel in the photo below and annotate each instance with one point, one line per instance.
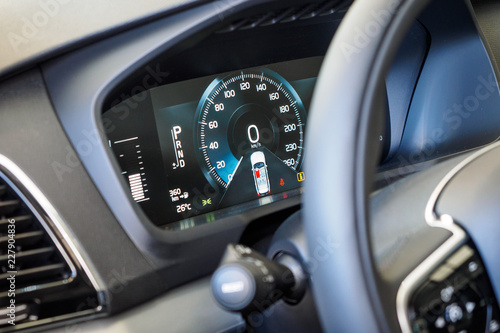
(350, 294)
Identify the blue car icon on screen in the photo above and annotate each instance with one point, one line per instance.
(260, 173)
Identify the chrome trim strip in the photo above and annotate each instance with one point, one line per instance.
(41, 220)
(445, 221)
(10, 170)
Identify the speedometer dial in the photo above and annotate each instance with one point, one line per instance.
(250, 117)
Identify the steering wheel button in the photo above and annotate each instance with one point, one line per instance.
(470, 306)
(454, 313)
(494, 326)
(473, 266)
(440, 322)
(447, 293)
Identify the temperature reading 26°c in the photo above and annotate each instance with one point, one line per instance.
(183, 208)
(246, 123)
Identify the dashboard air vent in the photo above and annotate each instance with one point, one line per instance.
(27, 253)
(25, 247)
(286, 15)
(41, 280)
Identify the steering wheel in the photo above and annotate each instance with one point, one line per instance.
(350, 291)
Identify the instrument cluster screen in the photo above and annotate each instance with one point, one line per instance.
(191, 148)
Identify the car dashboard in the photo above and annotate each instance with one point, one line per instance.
(143, 152)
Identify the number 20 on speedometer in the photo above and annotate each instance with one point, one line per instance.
(246, 113)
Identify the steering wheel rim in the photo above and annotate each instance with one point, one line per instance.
(339, 178)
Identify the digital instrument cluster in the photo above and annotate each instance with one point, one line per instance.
(189, 150)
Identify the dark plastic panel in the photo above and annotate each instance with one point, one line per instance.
(455, 105)
(402, 79)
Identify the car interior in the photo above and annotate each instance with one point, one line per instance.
(250, 166)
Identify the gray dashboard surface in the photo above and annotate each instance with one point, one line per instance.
(32, 29)
(190, 308)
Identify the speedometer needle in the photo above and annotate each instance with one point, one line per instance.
(234, 172)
